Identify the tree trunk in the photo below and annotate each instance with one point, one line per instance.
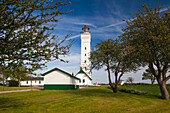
(31, 82)
(152, 81)
(19, 83)
(164, 91)
(162, 83)
(115, 89)
(110, 82)
(116, 83)
(3, 82)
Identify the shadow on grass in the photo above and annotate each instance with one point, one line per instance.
(6, 103)
(96, 92)
(138, 92)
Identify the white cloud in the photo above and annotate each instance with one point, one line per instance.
(73, 37)
(86, 24)
(112, 25)
(164, 9)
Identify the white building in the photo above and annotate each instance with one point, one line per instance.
(85, 71)
(34, 81)
(85, 80)
(59, 79)
(85, 50)
(31, 80)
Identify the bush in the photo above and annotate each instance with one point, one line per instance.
(137, 84)
(13, 83)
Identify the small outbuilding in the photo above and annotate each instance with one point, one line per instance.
(58, 79)
(85, 80)
(34, 81)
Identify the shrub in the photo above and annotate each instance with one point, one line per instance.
(13, 83)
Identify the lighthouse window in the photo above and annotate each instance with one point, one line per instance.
(85, 61)
(85, 54)
(85, 48)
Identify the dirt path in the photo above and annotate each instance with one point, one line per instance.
(19, 90)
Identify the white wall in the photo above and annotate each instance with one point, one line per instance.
(83, 76)
(34, 83)
(85, 43)
(57, 77)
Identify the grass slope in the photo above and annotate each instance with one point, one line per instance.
(91, 99)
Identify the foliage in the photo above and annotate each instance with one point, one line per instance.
(130, 79)
(111, 54)
(19, 73)
(25, 33)
(147, 38)
(13, 83)
(1, 78)
(148, 75)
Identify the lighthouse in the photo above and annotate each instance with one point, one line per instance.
(85, 50)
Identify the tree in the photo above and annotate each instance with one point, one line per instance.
(130, 79)
(148, 75)
(147, 37)
(19, 73)
(1, 78)
(25, 33)
(111, 54)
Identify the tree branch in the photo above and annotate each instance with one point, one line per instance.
(167, 78)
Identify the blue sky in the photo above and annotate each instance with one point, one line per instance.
(104, 18)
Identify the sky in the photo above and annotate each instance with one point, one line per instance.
(104, 18)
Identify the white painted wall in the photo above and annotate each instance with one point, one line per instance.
(83, 76)
(57, 77)
(34, 83)
(85, 53)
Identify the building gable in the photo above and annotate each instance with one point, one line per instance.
(57, 69)
(82, 72)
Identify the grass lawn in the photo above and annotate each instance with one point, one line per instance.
(90, 99)
(147, 90)
(18, 88)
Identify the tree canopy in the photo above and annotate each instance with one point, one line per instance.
(147, 38)
(25, 33)
(130, 79)
(112, 55)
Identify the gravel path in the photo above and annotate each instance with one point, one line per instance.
(19, 90)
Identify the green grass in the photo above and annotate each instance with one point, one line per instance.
(148, 90)
(85, 100)
(18, 88)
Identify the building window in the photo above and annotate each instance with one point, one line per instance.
(27, 82)
(85, 68)
(39, 82)
(35, 81)
(85, 54)
(85, 61)
(85, 48)
(83, 80)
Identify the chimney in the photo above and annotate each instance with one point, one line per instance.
(80, 68)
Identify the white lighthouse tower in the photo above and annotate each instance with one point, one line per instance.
(85, 69)
(85, 50)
